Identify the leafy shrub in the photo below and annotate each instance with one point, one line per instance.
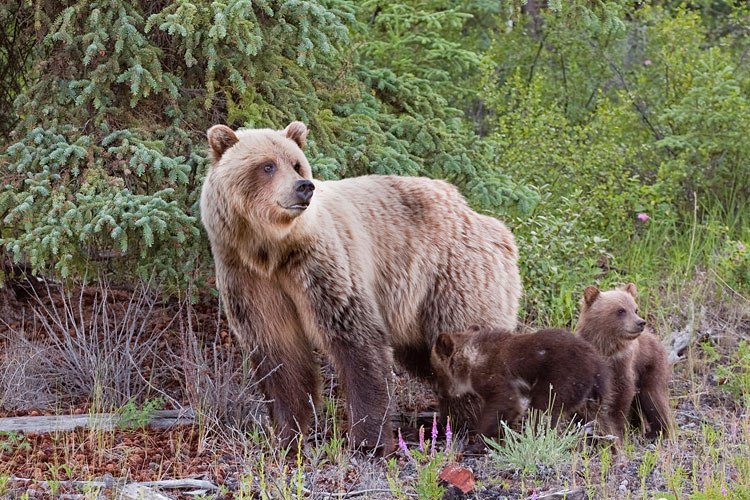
(607, 121)
(558, 259)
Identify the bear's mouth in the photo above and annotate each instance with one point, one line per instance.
(633, 335)
(296, 206)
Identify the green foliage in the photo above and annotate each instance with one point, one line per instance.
(610, 116)
(558, 259)
(735, 375)
(732, 262)
(395, 484)
(63, 206)
(132, 416)
(428, 481)
(707, 137)
(12, 441)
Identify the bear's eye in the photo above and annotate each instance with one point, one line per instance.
(269, 168)
(297, 167)
(621, 311)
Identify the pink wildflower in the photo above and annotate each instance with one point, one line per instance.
(402, 445)
(740, 246)
(434, 434)
(421, 438)
(448, 433)
(643, 217)
(647, 62)
(723, 490)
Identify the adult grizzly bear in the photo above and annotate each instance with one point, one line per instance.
(638, 361)
(486, 375)
(365, 269)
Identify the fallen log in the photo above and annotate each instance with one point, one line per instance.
(161, 419)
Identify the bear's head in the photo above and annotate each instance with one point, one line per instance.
(611, 316)
(262, 174)
(456, 355)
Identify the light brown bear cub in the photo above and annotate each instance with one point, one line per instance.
(366, 270)
(485, 376)
(638, 361)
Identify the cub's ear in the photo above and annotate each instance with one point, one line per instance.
(590, 294)
(630, 288)
(297, 131)
(444, 345)
(220, 138)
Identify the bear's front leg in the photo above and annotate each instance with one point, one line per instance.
(289, 378)
(365, 374)
(624, 392)
(265, 322)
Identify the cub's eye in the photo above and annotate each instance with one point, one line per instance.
(297, 167)
(269, 168)
(621, 311)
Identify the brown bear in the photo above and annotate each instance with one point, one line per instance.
(485, 375)
(365, 269)
(638, 361)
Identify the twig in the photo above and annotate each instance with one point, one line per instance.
(164, 483)
(353, 494)
(536, 58)
(94, 484)
(727, 285)
(178, 483)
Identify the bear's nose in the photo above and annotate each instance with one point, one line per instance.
(641, 324)
(304, 190)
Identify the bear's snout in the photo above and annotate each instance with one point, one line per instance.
(304, 190)
(640, 324)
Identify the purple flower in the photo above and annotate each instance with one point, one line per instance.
(643, 217)
(647, 62)
(723, 490)
(402, 445)
(448, 433)
(534, 496)
(434, 434)
(421, 438)
(740, 246)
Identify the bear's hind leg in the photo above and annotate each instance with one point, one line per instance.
(653, 404)
(365, 374)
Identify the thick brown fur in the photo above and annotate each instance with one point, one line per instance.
(551, 370)
(374, 268)
(638, 361)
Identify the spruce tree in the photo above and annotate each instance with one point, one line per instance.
(104, 165)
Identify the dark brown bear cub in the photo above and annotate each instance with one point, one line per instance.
(485, 376)
(638, 361)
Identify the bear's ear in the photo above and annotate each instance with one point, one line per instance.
(590, 294)
(220, 138)
(297, 131)
(444, 345)
(630, 288)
